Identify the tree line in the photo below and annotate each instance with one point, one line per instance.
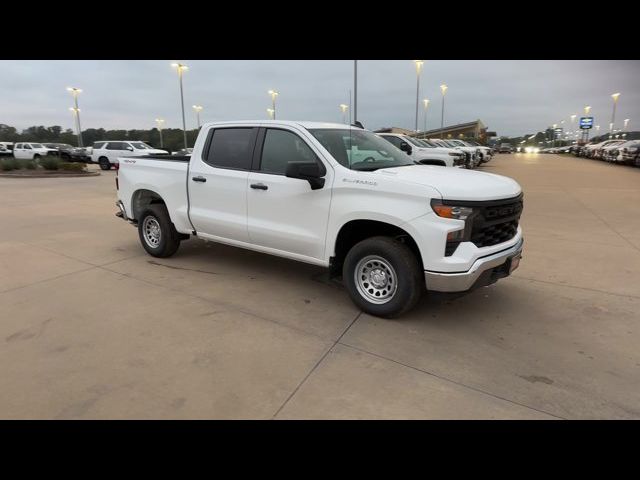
(172, 138)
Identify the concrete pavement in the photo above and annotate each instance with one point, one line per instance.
(92, 327)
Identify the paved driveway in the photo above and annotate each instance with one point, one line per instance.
(92, 327)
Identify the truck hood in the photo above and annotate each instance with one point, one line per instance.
(455, 183)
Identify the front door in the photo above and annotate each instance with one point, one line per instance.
(285, 213)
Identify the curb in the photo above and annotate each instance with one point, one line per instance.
(52, 175)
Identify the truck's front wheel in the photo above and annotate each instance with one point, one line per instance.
(383, 276)
(157, 234)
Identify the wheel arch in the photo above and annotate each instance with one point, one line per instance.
(355, 231)
(142, 198)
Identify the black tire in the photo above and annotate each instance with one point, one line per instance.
(104, 162)
(169, 238)
(36, 157)
(409, 282)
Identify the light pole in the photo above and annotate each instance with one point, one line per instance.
(181, 68)
(443, 88)
(270, 111)
(615, 97)
(75, 92)
(197, 109)
(553, 143)
(419, 64)
(355, 91)
(344, 108)
(585, 137)
(626, 122)
(273, 94)
(160, 122)
(426, 106)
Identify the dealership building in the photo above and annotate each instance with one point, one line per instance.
(472, 130)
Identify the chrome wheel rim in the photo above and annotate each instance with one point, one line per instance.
(375, 279)
(151, 232)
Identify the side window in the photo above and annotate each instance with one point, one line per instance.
(231, 148)
(116, 146)
(395, 140)
(27, 146)
(98, 145)
(281, 147)
(18, 146)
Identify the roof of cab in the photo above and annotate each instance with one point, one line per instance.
(292, 123)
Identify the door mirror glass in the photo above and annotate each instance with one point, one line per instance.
(405, 147)
(309, 171)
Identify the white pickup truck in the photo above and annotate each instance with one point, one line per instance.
(330, 195)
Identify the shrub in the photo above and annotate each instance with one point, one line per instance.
(8, 164)
(29, 164)
(50, 163)
(73, 167)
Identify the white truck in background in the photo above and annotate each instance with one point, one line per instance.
(390, 227)
(425, 153)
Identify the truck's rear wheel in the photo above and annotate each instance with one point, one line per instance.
(105, 164)
(157, 234)
(383, 277)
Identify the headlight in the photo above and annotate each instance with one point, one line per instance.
(451, 211)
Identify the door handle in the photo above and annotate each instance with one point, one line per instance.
(199, 179)
(259, 186)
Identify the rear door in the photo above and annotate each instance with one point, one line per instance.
(113, 150)
(217, 183)
(18, 151)
(285, 213)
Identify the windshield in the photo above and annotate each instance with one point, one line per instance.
(140, 146)
(414, 141)
(360, 149)
(428, 143)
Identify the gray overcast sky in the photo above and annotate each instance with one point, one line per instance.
(510, 97)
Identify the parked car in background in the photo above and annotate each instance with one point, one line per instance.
(183, 152)
(565, 149)
(483, 154)
(487, 152)
(471, 161)
(6, 149)
(423, 152)
(106, 153)
(32, 151)
(599, 151)
(628, 152)
(505, 148)
(300, 190)
(68, 152)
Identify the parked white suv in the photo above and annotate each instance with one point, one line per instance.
(106, 153)
(6, 148)
(31, 151)
(390, 227)
(425, 153)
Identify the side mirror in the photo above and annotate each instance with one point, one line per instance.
(130, 149)
(405, 147)
(309, 171)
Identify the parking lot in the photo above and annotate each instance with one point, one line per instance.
(92, 327)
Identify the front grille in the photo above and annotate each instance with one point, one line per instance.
(497, 222)
(493, 222)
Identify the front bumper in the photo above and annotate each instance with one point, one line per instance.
(484, 271)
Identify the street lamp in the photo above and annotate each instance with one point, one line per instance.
(344, 108)
(181, 68)
(419, 64)
(75, 92)
(426, 106)
(197, 109)
(587, 109)
(443, 88)
(615, 97)
(273, 94)
(160, 122)
(626, 122)
(270, 111)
